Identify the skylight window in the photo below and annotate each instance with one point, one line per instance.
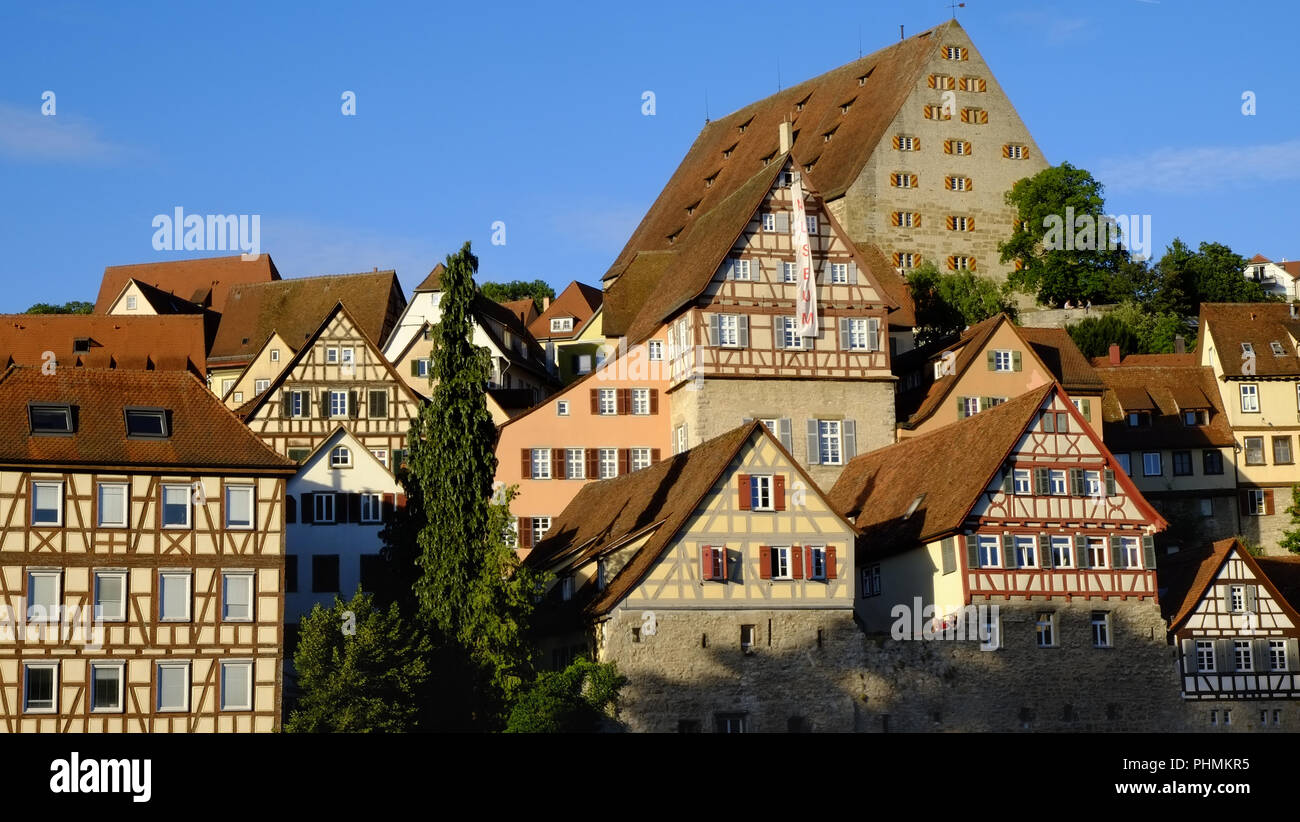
(1277, 348)
(1247, 348)
(745, 125)
(81, 345)
(727, 152)
(50, 418)
(147, 422)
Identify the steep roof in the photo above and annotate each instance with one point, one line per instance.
(512, 400)
(295, 308)
(208, 279)
(204, 433)
(164, 302)
(1165, 390)
(1259, 324)
(535, 359)
(1187, 578)
(165, 342)
(525, 309)
(577, 300)
(892, 283)
(433, 282)
(948, 468)
(1056, 348)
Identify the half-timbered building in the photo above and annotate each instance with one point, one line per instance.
(719, 564)
(141, 557)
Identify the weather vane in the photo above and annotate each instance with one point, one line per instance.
(954, 7)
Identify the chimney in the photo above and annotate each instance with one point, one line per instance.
(546, 303)
(1180, 345)
(1114, 353)
(787, 136)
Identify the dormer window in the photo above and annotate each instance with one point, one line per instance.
(149, 423)
(1247, 348)
(690, 209)
(741, 128)
(81, 345)
(50, 418)
(862, 79)
(1196, 417)
(846, 105)
(562, 324)
(727, 152)
(799, 105)
(708, 181)
(1276, 348)
(1138, 419)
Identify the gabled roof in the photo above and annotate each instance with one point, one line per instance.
(892, 283)
(577, 300)
(204, 433)
(1259, 324)
(525, 309)
(294, 308)
(340, 433)
(1056, 348)
(209, 278)
(162, 302)
(1165, 389)
(166, 342)
(656, 500)
(433, 282)
(535, 360)
(1188, 578)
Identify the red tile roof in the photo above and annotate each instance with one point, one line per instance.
(433, 282)
(1165, 388)
(1231, 324)
(1187, 578)
(525, 309)
(578, 300)
(205, 435)
(187, 279)
(165, 342)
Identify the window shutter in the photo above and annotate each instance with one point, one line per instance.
(1081, 551)
(325, 404)
(746, 492)
(354, 404)
(1189, 656)
(290, 509)
(1259, 651)
(525, 463)
(1293, 654)
(1049, 423)
(724, 562)
(986, 403)
(729, 269)
(388, 504)
(340, 508)
(961, 408)
(873, 333)
(764, 562)
(972, 552)
(622, 400)
(655, 455)
(778, 492)
(1252, 595)
(743, 334)
(1149, 552)
(1268, 502)
(947, 183)
(991, 357)
(1117, 558)
(850, 429)
(593, 464)
(814, 451)
(831, 567)
(756, 270)
(951, 222)
(853, 273)
(558, 470)
(308, 509)
(1076, 482)
(525, 532)
(1006, 151)
(796, 561)
(714, 338)
(947, 146)
(1042, 482)
(898, 143)
(1223, 656)
(970, 226)
(787, 440)
(896, 218)
(415, 367)
(654, 400)
(1007, 546)
(706, 562)
(595, 401)
(1044, 550)
(1085, 407)
(1008, 483)
(354, 507)
(783, 223)
(1243, 501)
(1015, 360)
(844, 333)
(624, 460)
(893, 178)
(285, 402)
(778, 335)
(1110, 482)
(808, 564)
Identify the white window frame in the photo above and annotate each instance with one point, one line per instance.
(562, 408)
(741, 270)
(1062, 548)
(58, 521)
(1049, 633)
(28, 667)
(331, 355)
(130, 302)
(791, 339)
(781, 558)
(575, 463)
(100, 614)
(641, 401)
(540, 462)
(607, 460)
(1101, 634)
(789, 272)
(840, 273)
(120, 668)
(233, 491)
(1132, 548)
(1092, 483)
(761, 493)
(380, 454)
(53, 609)
(1255, 502)
(1125, 462)
(275, 355)
(769, 221)
(260, 385)
(188, 578)
(1204, 650)
(297, 404)
(584, 364)
(1237, 599)
(1022, 481)
(972, 405)
(1277, 660)
(1003, 360)
(1147, 464)
(541, 525)
(679, 439)
(906, 143)
(372, 507)
(342, 399)
(859, 335)
(1022, 544)
(989, 550)
(188, 491)
(1056, 482)
(422, 366)
(729, 330)
(184, 707)
(607, 402)
(231, 665)
(870, 581)
(561, 325)
(811, 222)
(340, 457)
(1249, 393)
(830, 442)
(817, 559)
(322, 501)
(124, 521)
(638, 458)
(1015, 152)
(246, 580)
(1098, 558)
(655, 350)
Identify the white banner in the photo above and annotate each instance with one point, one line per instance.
(806, 302)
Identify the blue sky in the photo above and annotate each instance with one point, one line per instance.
(530, 114)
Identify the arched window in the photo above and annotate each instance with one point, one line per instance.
(341, 457)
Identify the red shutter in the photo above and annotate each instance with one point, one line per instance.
(744, 492)
(595, 400)
(654, 400)
(401, 502)
(778, 492)
(388, 500)
(706, 562)
(593, 463)
(722, 557)
(830, 562)
(308, 509)
(624, 401)
(526, 532)
(796, 561)
(1268, 501)
(808, 564)
(354, 507)
(557, 464)
(764, 562)
(526, 464)
(654, 455)
(624, 461)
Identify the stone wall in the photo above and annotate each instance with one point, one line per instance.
(1188, 528)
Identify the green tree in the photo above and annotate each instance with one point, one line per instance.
(1183, 279)
(73, 307)
(1094, 335)
(373, 679)
(1064, 241)
(1291, 538)
(948, 303)
(579, 699)
(518, 290)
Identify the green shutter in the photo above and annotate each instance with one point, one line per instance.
(1015, 360)
(993, 360)
(1008, 545)
(972, 551)
(961, 408)
(1007, 482)
(1116, 552)
(1080, 551)
(415, 367)
(1086, 407)
(1110, 482)
(1044, 550)
(1149, 552)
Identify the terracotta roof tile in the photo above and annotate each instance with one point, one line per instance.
(166, 342)
(525, 309)
(182, 278)
(1259, 324)
(1158, 387)
(578, 300)
(1056, 348)
(433, 282)
(204, 433)
(1185, 578)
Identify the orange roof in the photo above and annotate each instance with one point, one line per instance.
(433, 282)
(578, 301)
(164, 342)
(205, 281)
(525, 309)
(1260, 325)
(1188, 578)
(1165, 385)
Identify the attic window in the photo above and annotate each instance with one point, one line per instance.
(826, 138)
(799, 105)
(50, 418)
(708, 181)
(672, 238)
(727, 152)
(690, 209)
(768, 158)
(741, 128)
(1277, 349)
(916, 503)
(1247, 348)
(862, 81)
(81, 345)
(148, 423)
(846, 105)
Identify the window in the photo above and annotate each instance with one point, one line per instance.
(760, 493)
(130, 303)
(323, 508)
(41, 687)
(1207, 507)
(903, 180)
(1204, 656)
(839, 273)
(1254, 450)
(641, 401)
(325, 574)
(341, 457)
(562, 408)
(226, 385)
(1045, 629)
(1124, 463)
(859, 335)
(906, 219)
(608, 463)
(655, 349)
(239, 506)
(974, 116)
(747, 646)
(582, 363)
(566, 588)
(1249, 398)
(331, 355)
(176, 506)
(422, 367)
(679, 439)
(958, 183)
(371, 508)
(1097, 552)
(236, 686)
(1138, 419)
(562, 324)
(816, 561)
(1002, 361)
(958, 147)
(1092, 483)
(769, 221)
(788, 272)
(780, 562)
(112, 505)
(1237, 599)
(1014, 152)
(173, 686)
(49, 418)
(1130, 552)
(811, 220)
(174, 596)
(906, 259)
(1182, 463)
(237, 596)
(1277, 654)
(640, 458)
(275, 355)
(740, 270)
(1021, 481)
(1151, 466)
(260, 385)
(541, 463)
(146, 422)
(47, 503)
(961, 263)
(377, 404)
(1101, 629)
(44, 595)
(106, 686)
(828, 435)
(1241, 655)
(607, 404)
(1196, 418)
(338, 403)
(729, 330)
(1061, 547)
(575, 463)
(971, 406)
(110, 596)
(788, 328)
(372, 569)
(1026, 550)
(903, 143)
(297, 403)
(1256, 504)
(954, 53)
(1057, 482)
(238, 397)
(1282, 450)
(989, 554)
(870, 581)
(1212, 462)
